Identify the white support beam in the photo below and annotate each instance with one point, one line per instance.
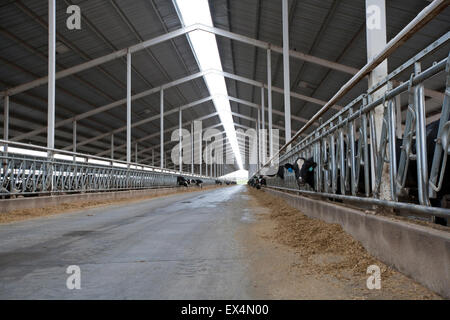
(256, 106)
(263, 132)
(286, 70)
(136, 153)
(165, 114)
(258, 139)
(173, 128)
(147, 120)
(200, 148)
(269, 99)
(192, 147)
(6, 122)
(243, 117)
(428, 13)
(51, 73)
(112, 105)
(74, 139)
(294, 54)
(206, 158)
(376, 39)
(129, 107)
(162, 127)
(167, 131)
(180, 137)
(154, 135)
(185, 107)
(294, 95)
(166, 86)
(101, 60)
(112, 146)
(306, 98)
(174, 34)
(247, 127)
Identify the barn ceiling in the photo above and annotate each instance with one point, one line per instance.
(330, 29)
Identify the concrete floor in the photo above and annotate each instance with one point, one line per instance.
(175, 247)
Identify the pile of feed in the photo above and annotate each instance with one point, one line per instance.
(25, 214)
(324, 247)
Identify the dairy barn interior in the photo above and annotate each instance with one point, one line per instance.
(224, 150)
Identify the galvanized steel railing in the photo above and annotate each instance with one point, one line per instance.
(347, 144)
(67, 172)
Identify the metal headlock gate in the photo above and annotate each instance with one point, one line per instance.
(68, 172)
(350, 156)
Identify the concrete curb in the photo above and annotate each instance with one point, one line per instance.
(9, 205)
(417, 251)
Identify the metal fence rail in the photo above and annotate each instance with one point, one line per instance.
(350, 155)
(32, 175)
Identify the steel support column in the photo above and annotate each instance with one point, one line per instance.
(287, 82)
(192, 147)
(6, 122)
(5, 132)
(376, 42)
(258, 140)
(136, 153)
(112, 146)
(180, 136)
(269, 100)
(74, 140)
(206, 158)
(51, 88)
(162, 126)
(129, 107)
(198, 131)
(51, 73)
(263, 130)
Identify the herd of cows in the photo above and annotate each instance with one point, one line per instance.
(183, 182)
(304, 170)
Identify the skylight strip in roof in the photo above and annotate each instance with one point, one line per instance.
(205, 49)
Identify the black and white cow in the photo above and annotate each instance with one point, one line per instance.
(181, 181)
(199, 183)
(257, 182)
(304, 171)
(262, 181)
(254, 182)
(280, 174)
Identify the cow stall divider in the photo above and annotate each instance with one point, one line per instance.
(28, 171)
(350, 157)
